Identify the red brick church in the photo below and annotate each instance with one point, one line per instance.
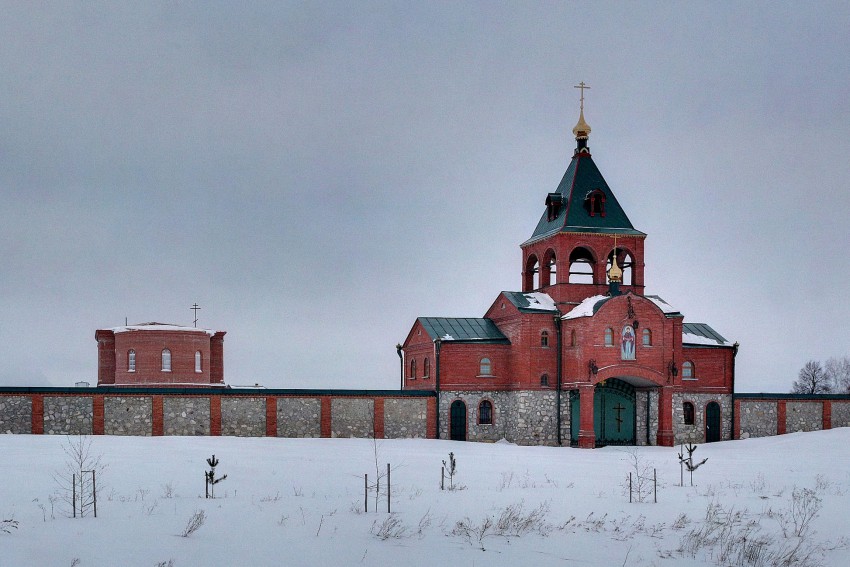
(582, 355)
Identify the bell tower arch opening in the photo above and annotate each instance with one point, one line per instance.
(582, 266)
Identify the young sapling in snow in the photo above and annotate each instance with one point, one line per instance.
(449, 468)
(688, 463)
(211, 480)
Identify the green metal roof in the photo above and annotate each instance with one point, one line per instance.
(582, 177)
(531, 302)
(461, 329)
(703, 335)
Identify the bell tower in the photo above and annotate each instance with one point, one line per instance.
(579, 234)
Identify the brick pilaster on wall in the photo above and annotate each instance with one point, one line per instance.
(736, 423)
(431, 418)
(271, 416)
(781, 422)
(158, 429)
(37, 414)
(827, 414)
(215, 415)
(379, 418)
(326, 417)
(97, 415)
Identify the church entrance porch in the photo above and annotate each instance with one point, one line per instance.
(613, 410)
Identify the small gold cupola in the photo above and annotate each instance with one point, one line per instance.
(615, 274)
(581, 130)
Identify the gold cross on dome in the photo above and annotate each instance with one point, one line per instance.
(581, 86)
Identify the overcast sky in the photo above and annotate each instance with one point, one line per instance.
(317, 175)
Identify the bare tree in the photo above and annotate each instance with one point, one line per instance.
(837, 370)
(75, 482)
(812, 380)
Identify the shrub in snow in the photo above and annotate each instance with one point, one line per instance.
(77, 482)
(194, 524)
(6, 526)
(688, 462)
(211, 480)
(449, 468)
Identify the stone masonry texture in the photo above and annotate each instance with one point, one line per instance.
(840, 414)
(803, 416)
(67, 415)
(758, 418)
(186, 416)
(405, 418)
(299, 417)
(243, 417)
(696, 433)
(15, 414)
(352, 417)
(130, 415)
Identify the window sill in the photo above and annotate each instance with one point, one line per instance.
(690, 379)
(486, 376)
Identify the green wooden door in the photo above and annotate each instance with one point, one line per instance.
(712, 422)
(613, 413)
(457, 424)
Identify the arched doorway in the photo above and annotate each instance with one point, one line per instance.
(712, 422)
(457, 421)
(613, 413)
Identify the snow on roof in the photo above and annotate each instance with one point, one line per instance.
(159, 327)
(447, 337)
(663, 305)
(691, 339)
(542, 301)
(585, 308)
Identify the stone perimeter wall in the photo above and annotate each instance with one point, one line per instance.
(87, 412)
(776, 415)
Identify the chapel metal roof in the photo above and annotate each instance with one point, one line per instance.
(704, 331)
(463, 329)
(581, 178)
(529, 302)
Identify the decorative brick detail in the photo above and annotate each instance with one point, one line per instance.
(215, 415)
(827, 414)
(378, 424)
(780, 417)
(157, 411)
(271, 416)
(97, 417)
(37, 414)
(431, 418)
(326, 417)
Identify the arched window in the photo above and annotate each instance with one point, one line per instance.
(413, 369)
(485, 368)
(688, 410)
(166, 360)
(552, 268)
(544, 338)
(594, 202)
(485, 413)
(532, 274)
(131, 360)
(198, 361)
(581, 266)
(426, 368)
(609, 337)
(544, 379)
(688, 370)
(647, 337)
(624, 261)
(573, 340)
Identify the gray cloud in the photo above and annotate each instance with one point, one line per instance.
(318, 175)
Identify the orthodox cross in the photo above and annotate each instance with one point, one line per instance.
(619, 409)
(195, 309)
(581, 86)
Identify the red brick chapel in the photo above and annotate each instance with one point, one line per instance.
(582, 355)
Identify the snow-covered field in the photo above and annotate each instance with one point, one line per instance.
(300, 502)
